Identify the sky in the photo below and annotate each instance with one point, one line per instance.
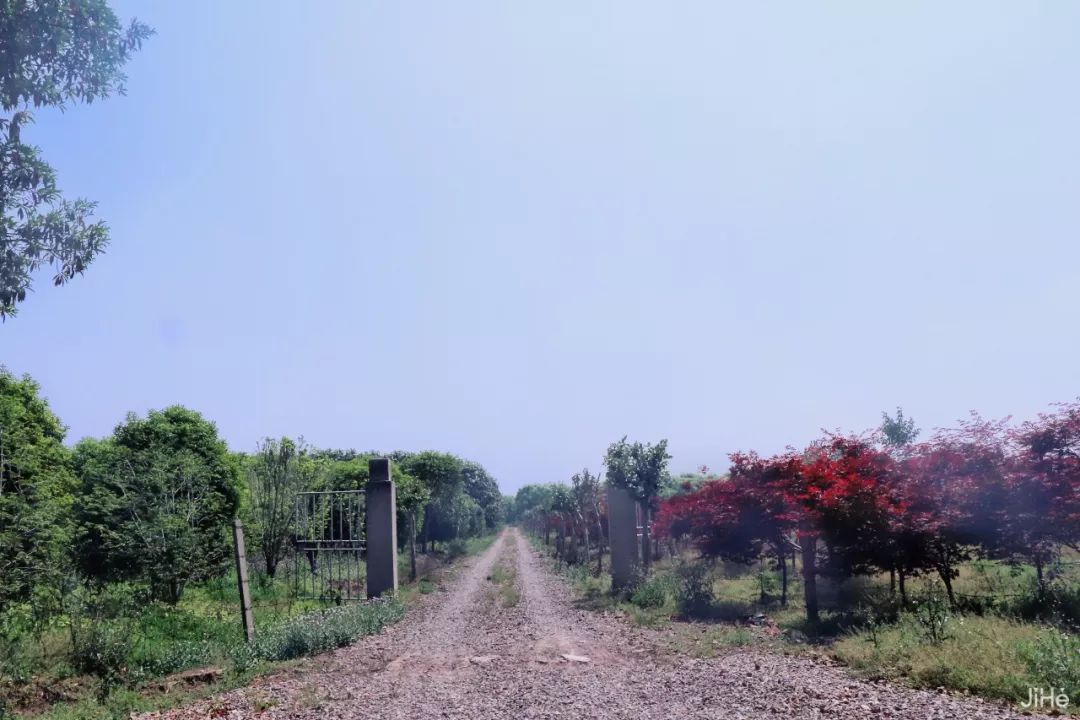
(520, 231)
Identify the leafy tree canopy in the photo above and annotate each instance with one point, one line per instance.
(52, 52)
(156, 501)
(899, 431)
(639, 468)
(36, 494)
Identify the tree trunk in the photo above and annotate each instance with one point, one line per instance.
(1039, 574)
(599, 543)
(585, 534)
(945, 573)
(809, 569)
(783, 579)
(176, 588)
(412, 546)
(427, 528)
(761, 578)
(900, 576)
(892, 582)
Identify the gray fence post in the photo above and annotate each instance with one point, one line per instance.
(381, 536)
(242, 581)
(622, 537)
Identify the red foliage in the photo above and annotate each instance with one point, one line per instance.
(1042, 489)
(981, 488)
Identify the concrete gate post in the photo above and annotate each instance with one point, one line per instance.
(381, 533)
(622, 532)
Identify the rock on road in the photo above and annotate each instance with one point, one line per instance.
(468, 653)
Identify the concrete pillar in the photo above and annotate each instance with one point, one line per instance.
(622, 536)
(381, 529)
(246, 614)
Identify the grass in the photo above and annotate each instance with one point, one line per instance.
(594, 593)
(702, 640)
(123, 702)
(504, 578)
(990, 656)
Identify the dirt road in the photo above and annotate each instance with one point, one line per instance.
(494, 646)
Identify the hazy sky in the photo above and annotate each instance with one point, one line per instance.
(518, 231)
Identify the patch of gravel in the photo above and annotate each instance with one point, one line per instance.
(462, 654)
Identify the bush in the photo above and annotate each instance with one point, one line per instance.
(651, 594)
(693, 593)
(932, 613)
(1056, 602)
(16, 639)
(1054, 660)
(244, 656)
(101, 648)
(456, 548)
(102, 623)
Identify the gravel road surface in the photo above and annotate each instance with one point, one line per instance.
(472, 652)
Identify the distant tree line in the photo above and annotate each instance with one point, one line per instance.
(153, 503)
(845, 506)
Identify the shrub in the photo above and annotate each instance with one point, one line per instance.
(651, 594)
(101, 648)
(1054, 660)
(16, 638)
(243, 656)
(156, 501)
(456, 548)
(1056, 602)
(694, 590)
(932, 613)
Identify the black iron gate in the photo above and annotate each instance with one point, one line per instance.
(329, 543)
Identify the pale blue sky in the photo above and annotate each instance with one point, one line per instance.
(518, 231)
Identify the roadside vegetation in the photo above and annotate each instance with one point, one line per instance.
(116, 556)
(951, 563)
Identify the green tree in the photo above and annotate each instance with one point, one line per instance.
(36, 496)
(898, 432)
(532, 508)
(156, 502)
(586, 489)
(483, 489)
(641, 469)
(564, 506)
(276, 473)
(441, 474)
(412, 496)
(52, 52)
(349, 470)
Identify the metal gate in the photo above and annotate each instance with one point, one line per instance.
(329, 542)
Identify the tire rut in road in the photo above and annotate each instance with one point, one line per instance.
(453, 633)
